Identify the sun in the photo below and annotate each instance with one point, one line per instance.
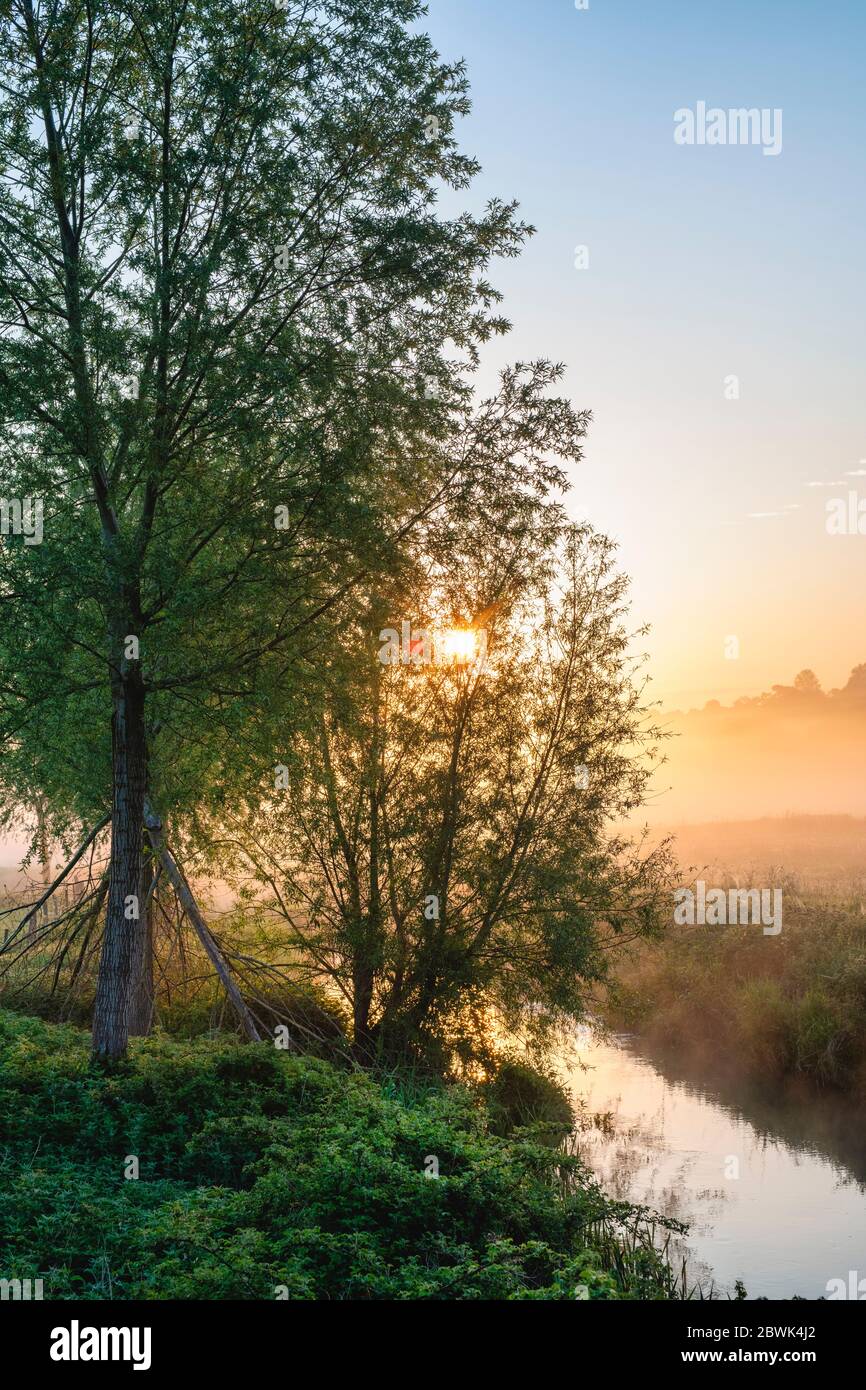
(459, 644)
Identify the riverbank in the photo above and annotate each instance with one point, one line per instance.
(209, 1169)
(790, 1006)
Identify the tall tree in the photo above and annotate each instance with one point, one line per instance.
(226, 302)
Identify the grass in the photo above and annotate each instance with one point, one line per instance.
(792, 1005)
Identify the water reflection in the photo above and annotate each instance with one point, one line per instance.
(771, 1184)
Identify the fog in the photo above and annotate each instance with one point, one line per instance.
(796, 749)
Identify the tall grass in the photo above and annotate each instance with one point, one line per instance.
(792, 1005)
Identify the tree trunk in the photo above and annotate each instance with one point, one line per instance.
(141, 1008)
(370, 927)
(120, 954)
(362, 999)
(43, 854)
(185, 897)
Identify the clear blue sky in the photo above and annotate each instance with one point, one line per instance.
(704, 262)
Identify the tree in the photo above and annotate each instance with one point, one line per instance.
(446, 845)
(807, 683)
(855, 688)
(225, 299)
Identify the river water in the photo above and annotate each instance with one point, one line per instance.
(772, 1184)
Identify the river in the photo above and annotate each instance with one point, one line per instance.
(772, 1182)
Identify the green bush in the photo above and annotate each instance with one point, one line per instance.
(520, 1096)
(263, 1174)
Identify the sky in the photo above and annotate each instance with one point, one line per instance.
(706, 262)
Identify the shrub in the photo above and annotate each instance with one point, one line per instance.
(262, 1171)
(521, 1096)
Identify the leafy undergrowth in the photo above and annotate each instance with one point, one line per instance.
(263, 1175)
